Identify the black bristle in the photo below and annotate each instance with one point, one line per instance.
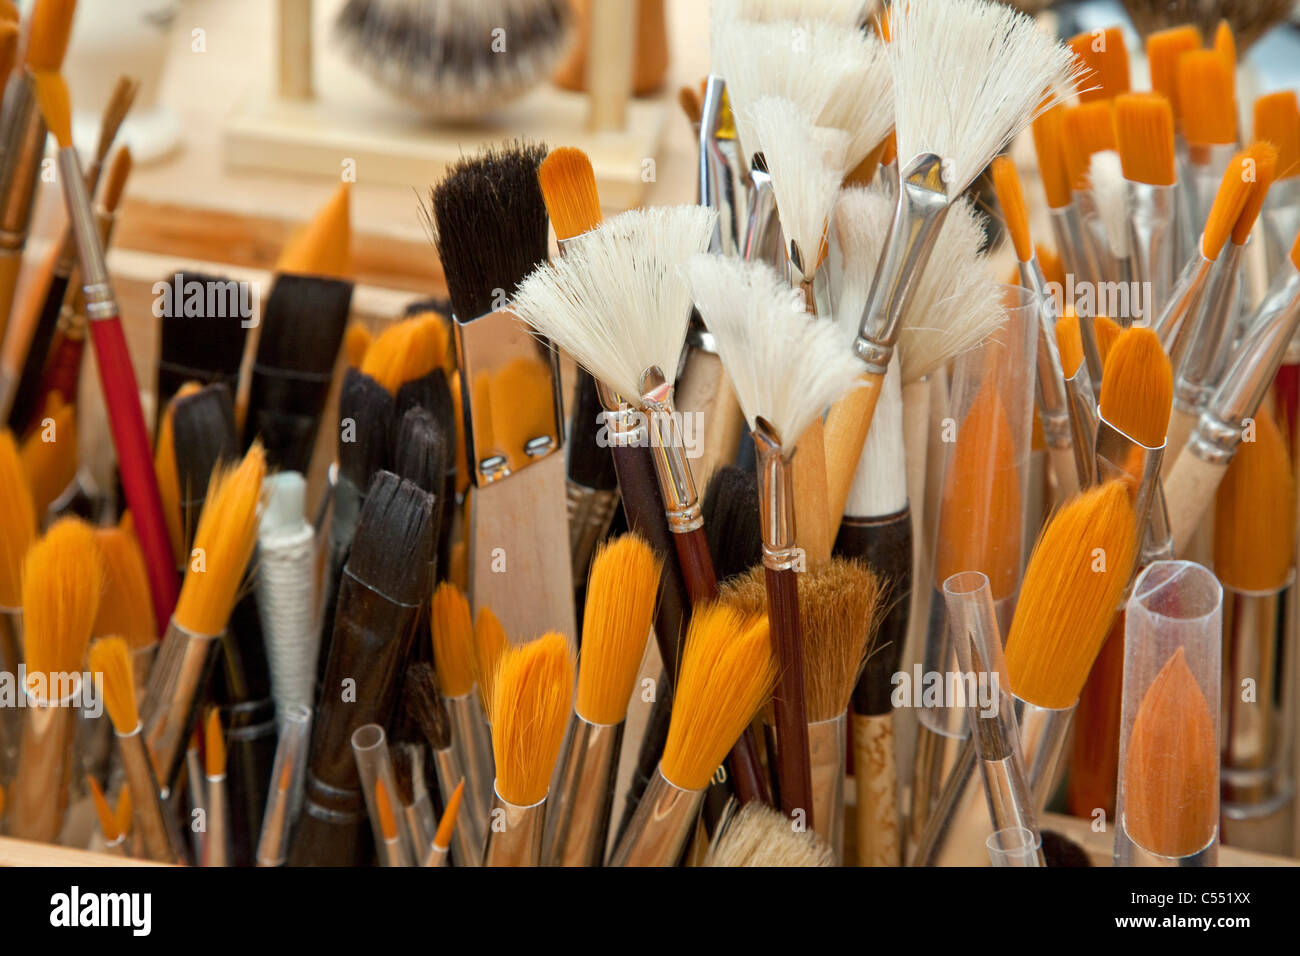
(365, 424)
(394, 540)
(403, 773)
(202, 333)
(731, 521)
(424, 306)
(203, 429)
(1061, 851)
(420, 452)
(489, 224)
(425, 706)
(590, 462)
(431, 393)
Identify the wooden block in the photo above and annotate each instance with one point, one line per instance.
(25, 853)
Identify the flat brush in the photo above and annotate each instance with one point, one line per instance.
(49, 457)
(1105, 57)
(201, 339)
(203, 437)
(432, 394)
(757, 835)
(731, 521)
(1089, 128)
(1144, 136)
(1209, 115)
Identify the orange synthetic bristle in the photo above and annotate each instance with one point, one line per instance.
(1053, 268)
(1295, 252)
(890, 152)
(125, 607)
(1225, 44)
(1049, 144)
(223, 543)
(1277, 121)
(406, 351)
(1105, 56)
(8, 11)
(111, 659)
(530, 709)
(165, 469)
(324, 247)
(1073, 583)
(48, 34)
(569, 189)
(356, 340)
(1234, 191)
(49, 456)
(980, 512)
(214, 745)
(52, 97)
(17, 518)
(727, 673)
(453, 640)
(1107, 331)
(1011, 197)
(447, 825)
(62, 581)
(122, 812)
(621, 592)
(1171, 768)
(1144, 133)
(1205, 93)
(1163, 50)
(489, 642)
(1265, 158)
(384, 808)
(1255, 511)
(1088, 128)
(8, 49)
(107, 822)
(1137, 386)
(1069, 344)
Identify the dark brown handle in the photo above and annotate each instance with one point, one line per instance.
(794, 770)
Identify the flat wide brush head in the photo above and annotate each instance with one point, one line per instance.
(395, 539)
(17, 517)
(1277, 121)
(423, 703)
(203, 436)
(614, 300)
(758, 835)
(1137, 386)
(1049, 145)
(406, 351)
(1068, 599)
(1089, 128)
(1144, 135)
(110, 659)
(569, 188)
(1104, 56)
(420, 454)
(197, 343)
(452, 630)
(621, 591)
(365, 422)
(530, 709)
(1205, 96)
(125, 608)
(1254, 514)
(62, 581)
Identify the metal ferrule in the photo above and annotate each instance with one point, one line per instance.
(1152, 218)
(716, 175)
(590, 513)
(1280, 219)
(923, 201)
(473, 747)
(661, 825)
(174, 698)
(775, 499)
(1128, 853)
(581, 796)
(514, 836)
(159, 839)
(627, 425)
(467, 838)
(827, 740)
(1173, 325)
(1083, 424)
(38, 795)
(763, 241)
(1078, 256)
(1094, 234)
(1119, 455)
(1158, 540)
(1043, 735)
(668, 451)
(96, 286)
(1211, 339)
(21, 163)
(1049, 381)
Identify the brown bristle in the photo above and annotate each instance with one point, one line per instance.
(1088, 128)
(110, 121)
(1238, 182)
(384, 808)
(324, 247)
(1225, 44)
(1265, 156)
(122, 812)
(17, 518)
(569, 189)
(1049, 144)
(727, 673)
(214, 745)
(356, 340)
(1105, 56)
(689, 100)
(1144, 133)
(1205, 94)
(125, 607)
(164, 467)
(1137, 386)
(62, 581)
(447, 825)
(530, 709)
(49, 456)
(1277, 121)
(1073, 583)
(1163, 50)
(107, 822)
(223, 545)
(407, 350)
(119, 170)
(1011, 197)
(489, 643)
(48, 34)
(453, 640)
(111, 660)
(1171, 766)
(1255, 510)
(52, 95)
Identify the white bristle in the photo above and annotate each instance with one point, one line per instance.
(785, 365)
(837, 75)
(880, 483)
(615, 300)
(845, 13)
(1110, 195)
(968, 76)
(957, 301)
(807, 166)
(757, 835)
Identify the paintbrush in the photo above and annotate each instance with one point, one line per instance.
(1087, 129)
(1144, 136)
(18, 518)
(1168, 805)
(1104, 56)
(380, 791)
(116, 375)
(1109, 191)
(731, 521)
(432, 394)
(785, 368)
(110, 660)
(728, 670)
(109, 839)
(757, 835)
(169, 480)
(49, 457)
(202, 437)
(216, 841)
(489, 642)
(412, 799)
(616, 624)
(529, 701)
(61, 584)
(286, 592)
(124, 607)
(392, 849)
(1164, 48)
(1248, 19)
(440, 850)
(1277, 121)
(286, 785)
(1209, 123)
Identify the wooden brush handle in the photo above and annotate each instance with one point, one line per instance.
(1180, 428)
(704, 391)
(876, 771)
(794, 770)
(846, 432)
(697, 566)
(609, 64)
(64, 370)
(294, 47)
(811, 511)
(11, 263)
(1189, 490)
(651, 49)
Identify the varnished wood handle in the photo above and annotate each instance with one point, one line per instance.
(876, 772)
(846, 432)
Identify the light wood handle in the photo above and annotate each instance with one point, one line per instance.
(876, 772)
(811, 516)
(846, 432)
(1189, 489)
(1180, 429)
(704, 393)
(10, 265)
(611, 56)
(294, 50)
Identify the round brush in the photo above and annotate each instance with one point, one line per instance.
(216, 841)
(109, 839)
(440, 851)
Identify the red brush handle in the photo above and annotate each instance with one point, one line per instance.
(135, 462)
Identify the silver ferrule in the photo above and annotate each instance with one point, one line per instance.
(1173, 324)
(923, 201)
(437, 856)
(473, 746)
(147, 814)
(1158, 540)
(216, 845)
(668, 451)
(661, 825)
(1119, 455)
(581, 795)
(1094, 234)
(775, 499)
(1129, 853)
(514, 836)
(467, 838)
(627, 426)
(716, 176)
(175, 698)
(1079, 258)
(1211, 337)
(1043, 735)
(763, 240)
(1083, 424)
(81, 220)
(827, 740)
(1152, 217)
(20, 164)
(1049, 381)
(590, 512)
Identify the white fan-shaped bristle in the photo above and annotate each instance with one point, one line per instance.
(839, 76)
(785, 365)
(968, 76)
(846, 13)
(880, 485)
(1110, 195)
(957, 301)
(807, 167)
(615, 300)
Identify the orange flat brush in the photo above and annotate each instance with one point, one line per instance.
(1105, 55)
